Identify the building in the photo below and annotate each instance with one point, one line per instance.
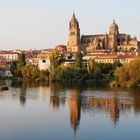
(4, 68)
(61, 48)
(43, 56)
(43, 61)
(44, 64)
(74, 43)
(111, 58)
(112, 41)
(9, 55)
(4, 64)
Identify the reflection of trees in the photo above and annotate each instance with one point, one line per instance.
(22, 96)
(135, 94)
(31, 83)
(110, 101)
(56, 97)
(55, 101)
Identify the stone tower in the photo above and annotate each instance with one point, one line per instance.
(113, 35)
(74, 35)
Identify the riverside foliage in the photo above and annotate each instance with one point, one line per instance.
(77, 71)
(22, 71)
(129, 74)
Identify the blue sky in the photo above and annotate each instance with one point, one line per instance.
(40, 24)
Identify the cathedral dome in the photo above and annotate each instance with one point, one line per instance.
(114, 28)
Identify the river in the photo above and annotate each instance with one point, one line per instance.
(69, 112)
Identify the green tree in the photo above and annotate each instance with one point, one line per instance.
(30, 72)
(78, 60)
(128, 74)
(91, 64)
(22, 59)
(97, 73)
(56, 59)
(13, 69)
(122, 74)
(44, 75)
(17, 66)
(116, 64)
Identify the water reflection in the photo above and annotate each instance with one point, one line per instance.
(57, 95)
(85, 98)
(22, 96)
(80, 99)
(75, 108)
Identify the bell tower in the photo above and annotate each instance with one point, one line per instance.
(74, 35)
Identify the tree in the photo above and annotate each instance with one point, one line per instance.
(128, 74)
(56, 59)
(17, 66)
(91, 64)
(116, 64)
(13, 68)
(78, 60)
(30, 72)
(43, 75)
(97, 73)
(122, 74)
(21, 59)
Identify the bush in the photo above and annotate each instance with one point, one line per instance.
(3, 88)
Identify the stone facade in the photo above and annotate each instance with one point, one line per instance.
(112, 41)
(74, 35)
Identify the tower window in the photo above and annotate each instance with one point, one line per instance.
(72, 33)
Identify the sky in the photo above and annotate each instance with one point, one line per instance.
(42, 24)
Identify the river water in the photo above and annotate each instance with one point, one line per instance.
(69, 112)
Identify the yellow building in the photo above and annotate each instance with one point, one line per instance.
(74, 35)
(112, 41)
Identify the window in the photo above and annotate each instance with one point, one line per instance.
(72, 33)
(44, 61)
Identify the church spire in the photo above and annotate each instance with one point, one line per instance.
(74, 35)
(73, 16)
(74, 22)
(114, 21)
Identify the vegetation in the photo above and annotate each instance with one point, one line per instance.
(56, 60)
(78, 60)
(17, 66)
(120, 75)
(78, 72)
(21, 71)
(128, 74)
(3, 88)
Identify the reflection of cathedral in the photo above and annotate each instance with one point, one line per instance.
(112, 41)
(111, 105)
(75, 109)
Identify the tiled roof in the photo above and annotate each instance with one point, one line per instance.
(116, 56)
(8, 52)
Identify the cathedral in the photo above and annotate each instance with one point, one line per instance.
(113, 41)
